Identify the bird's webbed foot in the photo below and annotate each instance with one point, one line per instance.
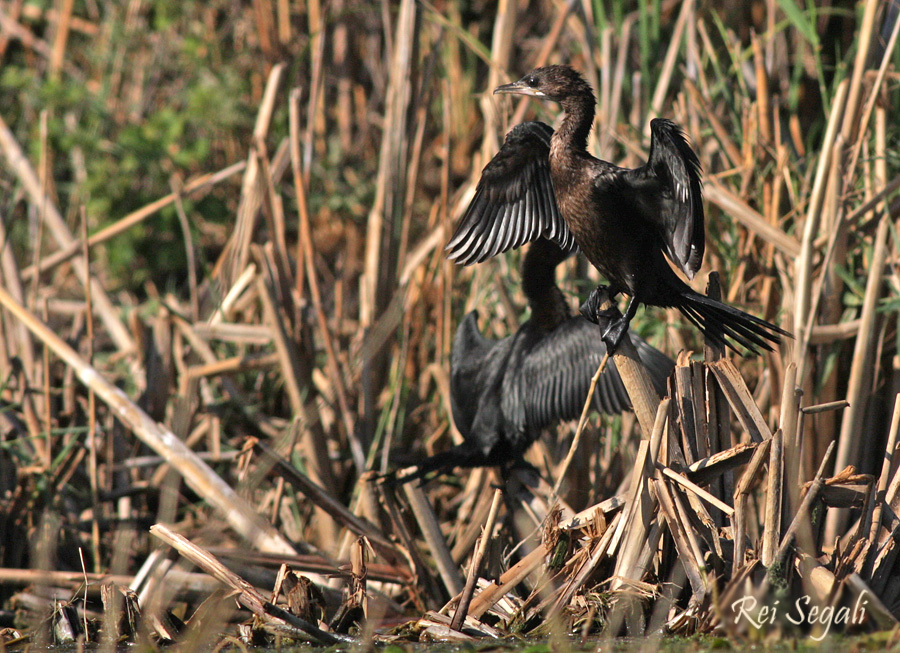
(592, 309)
(614, 333)
(613, 325)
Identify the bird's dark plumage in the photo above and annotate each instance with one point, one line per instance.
(504, 392)
(625, 221)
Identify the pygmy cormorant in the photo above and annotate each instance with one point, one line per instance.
(504, 392)
(626, 221)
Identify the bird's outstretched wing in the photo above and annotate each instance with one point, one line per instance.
(559, 370)
(669, 190)
(514, 202)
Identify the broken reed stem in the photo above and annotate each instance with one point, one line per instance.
(696, 489)
(431, 531)
(803, 510)
(462, 607)
(247, 594)
(644, 399)
(774, 492)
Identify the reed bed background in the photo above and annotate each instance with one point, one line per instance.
(226, 312)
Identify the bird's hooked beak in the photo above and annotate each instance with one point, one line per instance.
(519, 88)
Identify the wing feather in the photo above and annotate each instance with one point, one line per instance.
(670, 195)
(557, 374)
(514, 202)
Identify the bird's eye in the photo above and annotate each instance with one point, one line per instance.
(532, 81)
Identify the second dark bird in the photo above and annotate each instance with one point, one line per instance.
(504, 392)
(625, 221)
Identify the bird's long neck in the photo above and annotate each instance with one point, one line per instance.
(577, 121)
(547, 303)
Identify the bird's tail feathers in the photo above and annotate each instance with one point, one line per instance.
(726, 325)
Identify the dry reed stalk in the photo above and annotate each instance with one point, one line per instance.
(741, 400)
(741, 496)
(874, 93)
(501, 50)
(729, 149)
(881, 491)
(615, 101)
(582, 421)
(863, 43)
(93, 477)
(803, 267)
(13, 284)
(380, 252)
(315, 115)
(313, 439)
(472, 515)
(774, 493)
(549, 43)
(849, 442)
(236, 254)
(315, 563)
(250, 362)
(206, 353)
(465, 598)
(508, 580)
(711, 467)
(60, 37)
(803, 511)
(645, 401)
(198, 475)
(688, 551)
(717, 407)
(686, 483)
(431, 531)
(106, 311)
(273, 211)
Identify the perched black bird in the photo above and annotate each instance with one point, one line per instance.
(626, 221)
(503, 392)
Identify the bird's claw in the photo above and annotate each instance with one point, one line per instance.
(602, 317)
(612, 323)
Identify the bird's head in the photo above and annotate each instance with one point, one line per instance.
(555, 83)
